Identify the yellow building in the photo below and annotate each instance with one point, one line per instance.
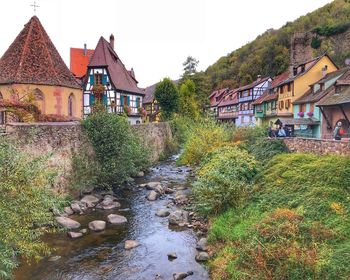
(33, 68)
(300, 78)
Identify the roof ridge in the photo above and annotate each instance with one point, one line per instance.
(47, 51)
(24, 48)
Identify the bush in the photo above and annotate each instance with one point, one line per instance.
(224, 180)
(295, 225)
(265, 149)
(203, 138)
(246, 136)
(118, 151)
(316, 43)
(25, 203)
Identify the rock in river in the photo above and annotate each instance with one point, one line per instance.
(97, 225)
(163, 213)
(202, 257)
(108, 203)
(67, 223)
(202, 244)
(181, 275)
(131, 244)
(116, 219)
(178, 217)
(68, 210)
(74, 235)
(152, 196)
(90, 200)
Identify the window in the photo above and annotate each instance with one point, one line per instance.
(281, 105)
(71, 105)
(287, 105)
(98, 79)
(138, 103)
(302, 108)
(281, 89)
(289, 86)
(312, 107)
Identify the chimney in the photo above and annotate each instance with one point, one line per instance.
(324, 70)
(259, 78)
(85, 50)
(111, 41)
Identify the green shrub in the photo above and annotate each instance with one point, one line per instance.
(295, 225)
(246, 136)
(224, 180)
(25, 203)
(118, 151)
(203, 138)
(181, 127)
(316, 43)
(265, 149)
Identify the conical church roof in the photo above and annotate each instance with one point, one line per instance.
(33, 59)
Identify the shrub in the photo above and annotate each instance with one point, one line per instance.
(316, 43)
(25, 203)
(265, 149)
(248, 135)
(118, 151)
(224, 180)
(295, 225)
(203, 138)
(167, 95)
(181, 128)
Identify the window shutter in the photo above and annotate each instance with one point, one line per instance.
(137, 102)
(128, 100)
(104, 99)
(92, 80)
(104, 80)
(122, 100)
(92, 99)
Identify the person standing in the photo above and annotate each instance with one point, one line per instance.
(337, 133)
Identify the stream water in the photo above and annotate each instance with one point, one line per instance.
(102, 255)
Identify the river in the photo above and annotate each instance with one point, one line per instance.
(102, 255)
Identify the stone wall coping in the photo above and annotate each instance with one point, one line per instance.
(317, 139)
(18, 124)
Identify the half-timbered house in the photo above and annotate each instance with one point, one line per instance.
(108, 81)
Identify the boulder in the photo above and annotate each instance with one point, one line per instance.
(181, 275)
(202, 244)
(74, 235)
(68, 210)
(131, 244)
(97, 225)
(140, 174)
(172, 255)
(152, 195)
(76, 208)
(83, 231)
(154, 186)
(168, 191)
(108, 203)
(116, 219)
(67, 223)
(88, 190)
(163, 213)
(202, 257)
(179, 217)
(90, 200)
(54, 258)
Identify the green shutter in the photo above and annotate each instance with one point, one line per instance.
(92, 99)
(128, 99)
(104, 99)
(137, 102)
(92, 80)
(122, 100)
(104, 80)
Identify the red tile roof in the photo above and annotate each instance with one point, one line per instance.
(267, 95)
(217, 94)
(33, 59)
(255, 83)
(230, 98)
(79, 61)
(121, 78)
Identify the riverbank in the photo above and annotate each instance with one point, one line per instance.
(101, 255)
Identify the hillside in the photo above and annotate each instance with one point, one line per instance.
(269, 54)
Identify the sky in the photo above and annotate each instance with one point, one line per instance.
(154, 36)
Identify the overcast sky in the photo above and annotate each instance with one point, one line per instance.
(154, 36)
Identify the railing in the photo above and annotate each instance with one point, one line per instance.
(271, 113)
(247, 98)
(246, 112)
(225, 115)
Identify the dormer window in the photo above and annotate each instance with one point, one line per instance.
(337, 89)
(295, 71)
(98, 79)
(322, 86)
(303, 68)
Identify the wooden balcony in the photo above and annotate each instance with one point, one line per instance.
(227, 115)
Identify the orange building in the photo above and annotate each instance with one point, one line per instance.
(32, 66)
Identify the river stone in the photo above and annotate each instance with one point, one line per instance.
(88, 190)
(67, 223)
(178, 217)
(54, 258)
(76, 208)
(97, 225)
(83, 231)
(181, 275)
(168, 191)
(152, 195)
(140, 174)
(109, 197)
(163, 213)
(68, 210)
(116, 219)
(74, 235)
(202, 257)
(172, 255)
(90, 200)
(131, 244)
(202, 244)
(108, 203)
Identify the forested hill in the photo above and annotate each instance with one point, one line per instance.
(269, 54)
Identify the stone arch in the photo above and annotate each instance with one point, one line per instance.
(71, 105)
(39, 100)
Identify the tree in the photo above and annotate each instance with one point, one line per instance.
(190, 66)
(188, 104)
(167, 96)
(203, 89)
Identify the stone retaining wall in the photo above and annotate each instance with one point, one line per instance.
(63, 139)
(318, 146)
